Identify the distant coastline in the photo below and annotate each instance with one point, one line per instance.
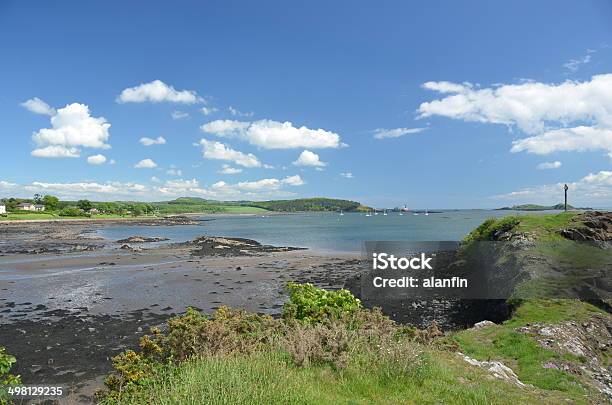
(536, 207)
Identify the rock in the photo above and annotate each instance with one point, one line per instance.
(497, 369)
(596, 226)
(483, 324)
(91, 330)
(141, 239)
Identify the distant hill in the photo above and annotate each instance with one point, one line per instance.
(195, 204)
(536, 207)
(307, 204)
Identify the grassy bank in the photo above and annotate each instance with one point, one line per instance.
(327, 349)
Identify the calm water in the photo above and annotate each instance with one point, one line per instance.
(321, 231)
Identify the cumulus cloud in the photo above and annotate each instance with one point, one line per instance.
(382, 133)
(72, 127)
(179, 115)
(579, 139)
(270, 134)
(157, 92)
(160, 140)
(56, 151)
(146, 164)
(592, 189)
(38, 106)
(237, 113)
(227, 169)
(549, 165)
(347, 175)
(529, 106)
(173, 171)
(90, 190)
(208, 110)
(308, 158)
(570, 116)
(219, 151)
(96, 159)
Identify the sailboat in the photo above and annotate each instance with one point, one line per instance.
(385, 213)
(375, 212)
(368, 214)
(341, 213)
(426, 213)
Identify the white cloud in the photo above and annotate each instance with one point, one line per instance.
(270, 134)
(530, 105)
(155, 179)
(227, 169)
(71, 127)
(179, 115)
(381, 133)
(208, 110)
(574, 64)
(347, 175)
(157, 92)
(219, 151)
(90, 190)
(308, 158)
(160, 140)
(38, 106)
(96, 159)
(570, 116)
(566, 139)
(146, 164)
(549, 165)
(56, 151)
(593, 189)
(238, 113)
(173, 171)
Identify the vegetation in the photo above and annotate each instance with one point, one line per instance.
(327, 349)
(6, 379)
(536, 207)
(307, 204)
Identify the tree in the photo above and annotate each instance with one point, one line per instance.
(85, 205)
(51, 202)
(37, 198)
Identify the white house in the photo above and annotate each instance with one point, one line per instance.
(25, 206)
(30, 207)
(2, 209)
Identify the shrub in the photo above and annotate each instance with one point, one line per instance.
(492, 228)
(72, 212)
(311, 304)
(6, 379)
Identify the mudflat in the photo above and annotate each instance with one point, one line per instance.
(70, 301)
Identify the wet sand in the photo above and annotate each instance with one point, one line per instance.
(64, 314)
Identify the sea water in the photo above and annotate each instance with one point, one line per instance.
(327, 232)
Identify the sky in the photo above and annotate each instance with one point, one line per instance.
(437, 104)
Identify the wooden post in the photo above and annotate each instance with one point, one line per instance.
(565, 188)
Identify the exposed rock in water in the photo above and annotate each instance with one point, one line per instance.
(219, 246)
(141, 239)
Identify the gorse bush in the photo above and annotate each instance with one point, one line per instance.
(311, 304)
(319, 329)
(6, 379)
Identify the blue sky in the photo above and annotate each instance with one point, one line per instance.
(476, 103)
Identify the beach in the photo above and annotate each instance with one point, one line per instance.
(70, 300)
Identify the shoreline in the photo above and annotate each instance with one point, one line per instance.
(64, 313)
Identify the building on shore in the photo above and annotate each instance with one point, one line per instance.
(2, 209)
(30, 207)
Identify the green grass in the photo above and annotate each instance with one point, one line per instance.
(522, 353)
(269, 378)
(233, 209)
(53, 216)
